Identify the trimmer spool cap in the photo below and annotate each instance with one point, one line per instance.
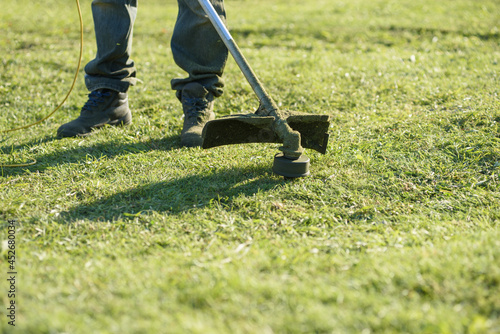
(291, 168)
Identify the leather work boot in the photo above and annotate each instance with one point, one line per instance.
(197, 103)
(104, 106)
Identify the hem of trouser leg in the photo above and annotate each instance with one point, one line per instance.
(93, 83)
(213, 85)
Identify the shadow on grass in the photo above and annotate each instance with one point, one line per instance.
(219, 187)
(108, 149)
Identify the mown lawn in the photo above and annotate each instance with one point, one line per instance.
(395, 231)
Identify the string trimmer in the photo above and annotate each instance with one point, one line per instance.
(268, 124)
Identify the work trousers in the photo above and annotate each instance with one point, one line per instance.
(196, 46)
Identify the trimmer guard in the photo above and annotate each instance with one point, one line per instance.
(252, 128)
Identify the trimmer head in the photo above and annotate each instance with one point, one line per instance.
(252, 128)
(268, 124)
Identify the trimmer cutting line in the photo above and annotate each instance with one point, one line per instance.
(268, 124)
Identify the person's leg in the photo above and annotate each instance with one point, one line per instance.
(197, 47)
(110, 74)
(112, 67)
(198, 50)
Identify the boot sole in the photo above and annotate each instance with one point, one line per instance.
(125, 120)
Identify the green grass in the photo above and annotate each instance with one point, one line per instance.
(395, 231)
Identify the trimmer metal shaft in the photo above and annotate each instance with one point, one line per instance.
(291, 138)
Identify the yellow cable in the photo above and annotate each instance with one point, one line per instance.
(20, 165)
(65, 98)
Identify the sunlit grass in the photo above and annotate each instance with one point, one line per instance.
(396, 229)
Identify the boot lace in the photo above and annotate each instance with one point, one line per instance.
(194, 106)
(95, 98)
